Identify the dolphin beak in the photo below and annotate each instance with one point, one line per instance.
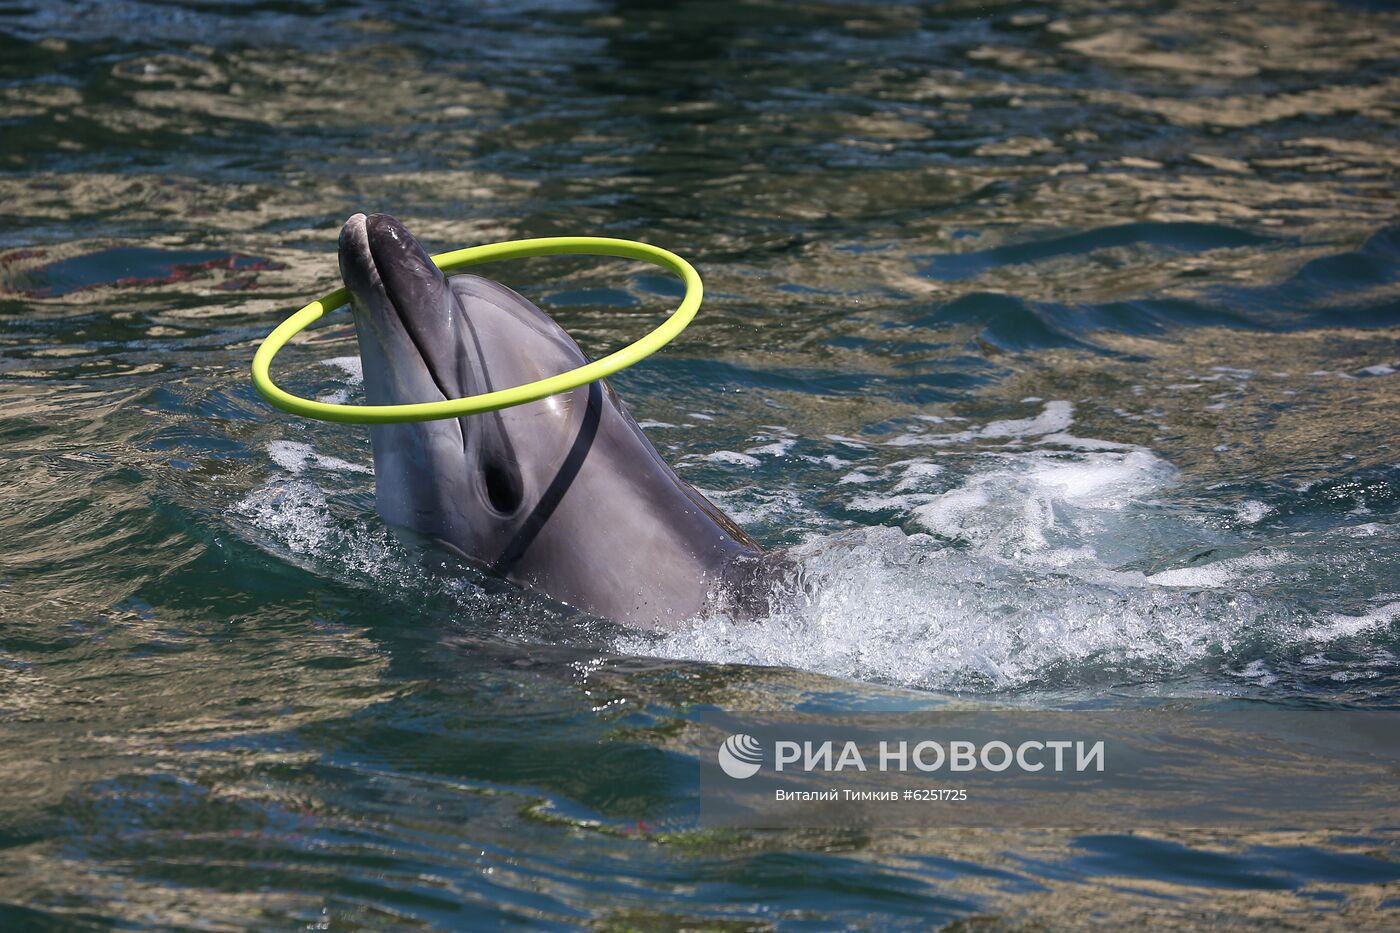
(406, 315)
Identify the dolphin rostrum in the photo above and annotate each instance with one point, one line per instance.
(564, 495)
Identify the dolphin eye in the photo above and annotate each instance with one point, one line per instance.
(503, 488)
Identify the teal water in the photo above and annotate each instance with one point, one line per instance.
(1059, 341)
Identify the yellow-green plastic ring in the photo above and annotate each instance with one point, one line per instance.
(502, 398)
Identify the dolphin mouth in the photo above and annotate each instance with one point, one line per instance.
(402, 302)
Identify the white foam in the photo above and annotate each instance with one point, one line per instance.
(917, 473)
(753, 505)
(778, 448)
(1344, 626)
(1212, 576)
(1033, 504)
(1257, 671)
(881, 605)
(352, 367)
(1251, 511)
(730, 456)
(1030, 572)
(886, 503)
(948, 515)
(299, 521)
(296, 457)
(296, 514)
(1057, 416)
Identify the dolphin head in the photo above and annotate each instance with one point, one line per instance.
(424, 337)
(564, 494)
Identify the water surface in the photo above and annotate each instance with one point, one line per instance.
(1060, 341)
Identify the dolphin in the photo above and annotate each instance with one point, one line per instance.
(564, 495)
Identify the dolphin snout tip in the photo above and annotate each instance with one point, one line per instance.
(386, 229)
(354, 231)
(376, 233)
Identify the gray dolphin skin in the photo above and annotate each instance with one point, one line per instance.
(564, 495)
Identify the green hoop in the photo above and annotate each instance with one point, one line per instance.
(502, 398)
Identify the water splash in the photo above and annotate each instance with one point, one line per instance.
(1053, 561)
